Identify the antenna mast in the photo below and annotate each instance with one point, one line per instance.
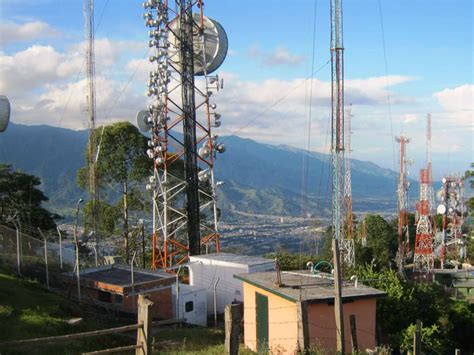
(423, 259)
(431, 199)
(347, 244)
(181, 118)
(91, 109)
(337, 154)
(402, 197)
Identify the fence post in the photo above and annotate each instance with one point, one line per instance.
(417, 338)
(60, 249)
(145, 318)
(303, 330)
(355, 346)
(46, 262)
(18, 263)
(45, 257)
(233, 318)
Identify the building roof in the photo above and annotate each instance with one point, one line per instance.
(304, 286)
(223, 258)
(118, 279)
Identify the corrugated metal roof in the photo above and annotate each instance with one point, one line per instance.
(302, 285)
(232, 258)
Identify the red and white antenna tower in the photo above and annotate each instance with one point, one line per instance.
(187, 46)
(423, 259)
(347, 244)
(402, 198)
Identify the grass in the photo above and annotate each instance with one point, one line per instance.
(193, 340)
(29, 311)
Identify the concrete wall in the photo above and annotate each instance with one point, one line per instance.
(282, 328)
(322, 326)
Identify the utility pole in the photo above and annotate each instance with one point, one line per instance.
(337, 153)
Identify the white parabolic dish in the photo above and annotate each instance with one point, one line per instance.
(4, 112)
(215, 45)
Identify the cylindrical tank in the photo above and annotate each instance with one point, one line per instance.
(4, 112)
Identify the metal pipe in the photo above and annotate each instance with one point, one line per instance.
(78, 277)
(132, 278)
(95, 254)
(60, 249)
(215, 302)
(177, 293)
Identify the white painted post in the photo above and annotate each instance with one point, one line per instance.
(46, 262)
(215, 302)
(60, 249)
(18, 262)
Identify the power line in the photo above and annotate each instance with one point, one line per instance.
(389, 105)
(268, 108)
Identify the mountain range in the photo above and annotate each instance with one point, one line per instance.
(258, 178)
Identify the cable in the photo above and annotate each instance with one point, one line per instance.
(389, 106)
(252, 120)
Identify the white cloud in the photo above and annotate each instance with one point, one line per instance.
(459, 103)
(11, 32)
(279, 56)
(410, 118)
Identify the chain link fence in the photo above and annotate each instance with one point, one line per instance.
(40, 257)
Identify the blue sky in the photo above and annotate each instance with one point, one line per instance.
(429, 46)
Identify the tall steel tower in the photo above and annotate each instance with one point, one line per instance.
(402, 198)
(347, 243)
(337, 119)
(431, 199)
(452, 209)
(181, 119)
(423, 259)
(91, 110)
(337, 155)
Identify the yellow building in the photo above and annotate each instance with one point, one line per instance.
(300, 312)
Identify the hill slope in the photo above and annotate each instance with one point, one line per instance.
(259, 178)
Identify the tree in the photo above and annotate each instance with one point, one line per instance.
(381, 244)
(122, 163)
(21, 198)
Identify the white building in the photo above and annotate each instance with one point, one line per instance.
(216, 271)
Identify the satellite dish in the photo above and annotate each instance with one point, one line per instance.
(143, 120)
(215, 44)
(441, 209)
(4, 112)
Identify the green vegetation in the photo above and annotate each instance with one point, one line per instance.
(122, 163)
(21, 200)
(193, 341)
(28, 311)
(447, 323)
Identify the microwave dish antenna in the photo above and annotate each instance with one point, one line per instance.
(210, 49)
(144, 121)
(4, 112)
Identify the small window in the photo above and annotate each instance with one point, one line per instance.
(189, 306)
(105, 296)
(118, 299)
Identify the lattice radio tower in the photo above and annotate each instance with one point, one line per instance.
(91, 110)
(348, 241)
(431, 199)
(452, 208)
(181, 118)
(423, 258)
(402, 198)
